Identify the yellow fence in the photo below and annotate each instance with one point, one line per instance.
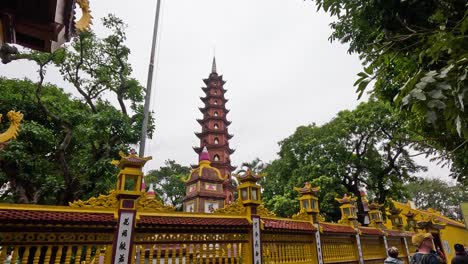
(93, 231)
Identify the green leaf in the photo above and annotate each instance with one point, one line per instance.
(436, 104)
(458, 124)
(418, 94)
(362, 87)
(363, 74)
(436, 94)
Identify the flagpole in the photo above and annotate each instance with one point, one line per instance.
(144, 128)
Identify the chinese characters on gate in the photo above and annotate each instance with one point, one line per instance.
(123, 251)
(256, 241)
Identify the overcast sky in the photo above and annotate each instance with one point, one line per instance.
(281, 70)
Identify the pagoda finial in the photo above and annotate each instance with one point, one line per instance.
(213, 67)
(204, 155)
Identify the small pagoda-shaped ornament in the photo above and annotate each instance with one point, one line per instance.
(204, 187)
(214, 134)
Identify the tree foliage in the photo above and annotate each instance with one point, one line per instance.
(439, 195)
(416, 51)
(168, 182)
(367, 147)
(66, 143)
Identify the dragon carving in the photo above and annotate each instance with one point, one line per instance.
(12, 132)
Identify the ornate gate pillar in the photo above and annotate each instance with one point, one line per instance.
(128, 190)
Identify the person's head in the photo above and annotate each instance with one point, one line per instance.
(423, 241)
(393, 252)
(459, 248)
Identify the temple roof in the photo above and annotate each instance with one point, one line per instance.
(429, 214)
(178, 221)
(371, 231)
(286, 224)
(399, 233)
(336, 228)
(55, 215)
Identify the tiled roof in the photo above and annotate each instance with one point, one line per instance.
(336, 228)
(449, 221)
(441, 218)
(399, 233)
(287, 224)
(370, 231)
(55, 217)
(147, 220)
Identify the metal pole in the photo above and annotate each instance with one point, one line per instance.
(144, 128)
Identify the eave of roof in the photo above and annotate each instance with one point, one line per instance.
(286, 224)
(336, 228)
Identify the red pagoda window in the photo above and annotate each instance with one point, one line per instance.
(216, 113)
(215, 92)
(216, 157)
(216, 126)
(216, 141)
(216, 102)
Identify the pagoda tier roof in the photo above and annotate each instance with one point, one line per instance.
(220, 118)
(205, 108)
(204, 194)
(219, 165)
(207, 90)
(214, 131)
(226, 165)
(220, 97)
(198, 150)
(214, 77)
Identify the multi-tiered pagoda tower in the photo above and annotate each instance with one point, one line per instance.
(214, 135)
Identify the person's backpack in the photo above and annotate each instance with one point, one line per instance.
(423, 258)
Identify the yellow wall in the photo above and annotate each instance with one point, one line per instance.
(449, 236)
(464, 207)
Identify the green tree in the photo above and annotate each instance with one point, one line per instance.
(417, 53)
(439, 195)
(367, 147)
(64, 150)
(168, 182)
(256, 166)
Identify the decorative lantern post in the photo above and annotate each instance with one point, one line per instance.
(308, 201)
(375, 215)
(410, 219)
(128, 190)
(249, 195)
(348, 210)
(395, 217)
(249, 191)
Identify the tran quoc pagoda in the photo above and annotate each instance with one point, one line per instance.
(209, 186)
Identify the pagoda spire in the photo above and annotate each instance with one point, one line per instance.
(214, 136)
(213, 66)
